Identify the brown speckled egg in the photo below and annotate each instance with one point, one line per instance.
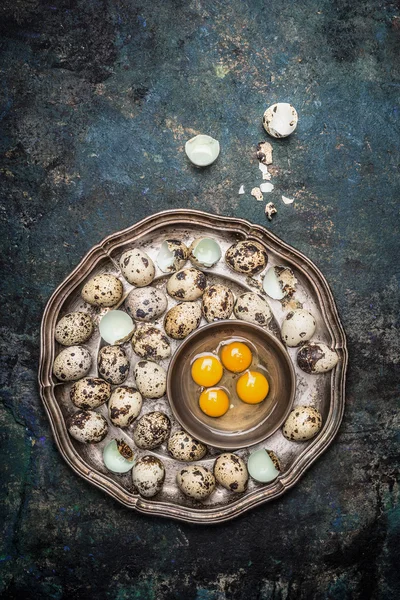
(146, 304)
(187, 285)
(297, 327)
(253, 308)
(182, 446)
(150, 342)
(246, 257)
(148, 476)
(231, 472)
(195, 481)
(102, 290)
(303, 423)
(150, 378)
(113, 364)
(182, 319)
(217, 303)
(72, 363)
(316, 357)
(87, 426)
(137, 267)
(152, 430)
(74, 328)
(124, 406)
(90, 392)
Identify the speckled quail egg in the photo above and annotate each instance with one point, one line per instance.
(263, 465)
(118, 457)
(146, 304)
(72, 363)
(124, 406)
(303, 423)
(231, 472)
(137, 267)
(182, 446)
(280, 120)
(246, 257)
(204, 252)
(172, 256)
(195, 481)
(150, 378)
(187, 285)
(182, 319)
(116, 327)
(74, 328)
(87, 426)
(316, 357)
(90, 392)
(148, 475)
(152, 430)
(279, 282)
(102, 290)
(150, 342)
(113, 364)
(217, 303)
(297, 327)
(253, 308)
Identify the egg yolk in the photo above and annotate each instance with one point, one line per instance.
(207, 370)
(214, 402)
(236, 356)
(252, 387)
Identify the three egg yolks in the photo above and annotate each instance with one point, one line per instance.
(252, 387)
(236, 357)
(214, 402)
(207, 370)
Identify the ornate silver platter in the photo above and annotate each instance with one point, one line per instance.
(325, 391)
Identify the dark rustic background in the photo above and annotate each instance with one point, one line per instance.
(97, 100)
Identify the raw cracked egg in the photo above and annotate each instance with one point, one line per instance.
(207, 370)
(214, 402)
(236, 357)
(252, 387)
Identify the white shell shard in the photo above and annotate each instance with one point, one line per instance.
(270, 210)
(279, 282)
(172, 256)
(256, 192)
(264, 153)
(116, 327)
(263, 168)
(202, 150)
(261, 467)
(280, 120)
(241, 189)
(287, 200)
(266, 187)
(118, 457)
(206, 252)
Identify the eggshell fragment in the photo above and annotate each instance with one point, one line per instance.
(172, 256)
(279, 282)
(316, 357)
(270, 210)
(263, 466)
(116, 327)
(302, 424)
(280, 120)
(204, 253)
(202, 150)
(118, 457)
(73, 329)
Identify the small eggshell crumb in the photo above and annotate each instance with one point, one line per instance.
(256, 192)
(270, 210)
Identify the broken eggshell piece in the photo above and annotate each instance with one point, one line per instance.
(116, 327)
(204, 252)
(263, 465)
(202, 150)
(280, 120)
(118, 457)
(172, 256)
(279, 282)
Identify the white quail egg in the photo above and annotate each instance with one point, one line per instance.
(231, 472)
(246, 257)
(116, 327)
(150, 378)
(279, 282)
(150, 342)
(90, 392)
(146, 304)
(204, 252)
(87, 426)
(217, 303)
(253, 308)
(148, 475)
(113, 364)
(202, 150)
(187, 285)
(74, 328)
(297, 327)
(182, 446)
(102, 290)
(124, 406)
(316, 357)
(72, 363)
(195, 481)
(280, 120)
(137, 267)
(182, 319)
(118, 457)
(152, 429)
(263, 465)
(303, 423)
(172, 256)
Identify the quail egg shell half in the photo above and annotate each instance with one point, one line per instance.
(187, 285)
(118, 457)
(149, 342)
(102, 290)
(182, 319)
(137, 267)
(72, 363)
(182, 446)
(316, 357)
(195, 481)
(90, 392)
(302, 424)
(279, 282)
(297, 327)
(172, 256)
(150, 378)
(87, 426)
(217, 303)
(124, 406)
(116, 327)
(74, 328)
(152, 429)
(246, 257)
(113, 364)
(231, 472)
(204, 252)
(202, 150)
(148, 476)
(146, 304)
(280, 120)
(253, 308)
(263, 466)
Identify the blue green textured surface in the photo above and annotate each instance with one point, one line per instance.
(96, 102)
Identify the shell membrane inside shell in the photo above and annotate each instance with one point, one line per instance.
(202, 150)
(116, 327)
(171, 256)
(206, 252)
(280, 120)
(118, 457)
